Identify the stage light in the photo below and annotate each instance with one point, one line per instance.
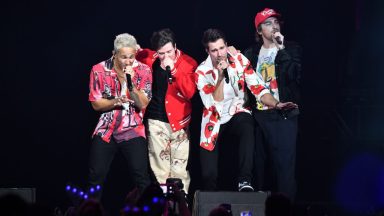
(146, 209)
(127, 209)
(77, 194)
(136, 209)
(359, 185)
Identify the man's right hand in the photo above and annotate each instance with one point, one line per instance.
(123, 99)
(220, 67)
(285, 105)
(168, 62)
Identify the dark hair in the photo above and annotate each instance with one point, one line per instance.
(278, 204)
(212, 35)
(162, 37)
(258, 38)
(220, 211)
(91, 207)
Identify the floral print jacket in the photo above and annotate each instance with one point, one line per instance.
(240, 72)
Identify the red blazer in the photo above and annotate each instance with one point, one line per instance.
(178, 97)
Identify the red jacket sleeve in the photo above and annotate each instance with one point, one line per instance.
(146, 56)
(186, 83)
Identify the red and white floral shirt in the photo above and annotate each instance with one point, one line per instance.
(124, 123)
(239, 71)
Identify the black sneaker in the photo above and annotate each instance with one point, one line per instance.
(245, 187)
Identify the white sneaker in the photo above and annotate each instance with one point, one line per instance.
(245, 187)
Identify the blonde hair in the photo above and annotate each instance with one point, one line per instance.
(124, 40)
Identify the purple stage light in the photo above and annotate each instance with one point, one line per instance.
(146, 209)
(127, 209)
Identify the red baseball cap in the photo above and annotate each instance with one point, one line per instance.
(265, 14)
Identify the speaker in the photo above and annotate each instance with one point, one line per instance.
(27, 194)
(253, 202)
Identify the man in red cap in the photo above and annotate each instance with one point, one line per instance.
(279, 64)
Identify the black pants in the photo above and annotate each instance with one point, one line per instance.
(241, 129)
(102, 153)
(276, 146)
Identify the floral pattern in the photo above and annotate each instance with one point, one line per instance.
(240, 72)
(123, 124)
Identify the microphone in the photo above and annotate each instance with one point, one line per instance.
(278, 40)
(169, 74)
(129, 81)
(225, 71)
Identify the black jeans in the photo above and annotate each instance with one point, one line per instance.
(240, 128)
(276, 146)
(135, 151)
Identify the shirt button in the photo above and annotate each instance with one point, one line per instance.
(166, 102)
(173, 125)
(174, 128)
(169, 114)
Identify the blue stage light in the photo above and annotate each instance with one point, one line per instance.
(359, 185)
(146, 209)
(127, 209)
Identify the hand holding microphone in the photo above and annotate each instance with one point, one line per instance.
(169, 64)
(222, 65)
(278, 39)
(129, 73)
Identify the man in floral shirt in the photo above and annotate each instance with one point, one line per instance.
(120, 88)
(224, 114)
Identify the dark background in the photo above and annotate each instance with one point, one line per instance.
(50, 47)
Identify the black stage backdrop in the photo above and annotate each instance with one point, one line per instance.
(50, 47)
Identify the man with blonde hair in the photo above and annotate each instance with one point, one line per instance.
(120, 88)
